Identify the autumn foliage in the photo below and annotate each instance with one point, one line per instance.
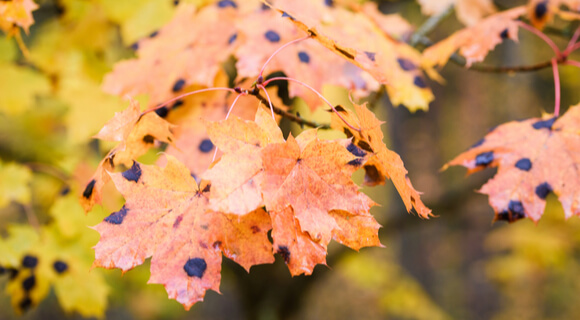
(230, 182)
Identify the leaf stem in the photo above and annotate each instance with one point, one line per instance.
(556, 86)
(572, 44)
(185, 95)
(318, 94)
(269, 100)
(572, 63)
(542, 36)
(278, 50)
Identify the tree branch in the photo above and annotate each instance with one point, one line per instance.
(429, 25)
(288, 115)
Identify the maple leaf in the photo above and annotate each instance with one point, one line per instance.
(475, 42)
(313, 177)
(14, 180)
(166, 217)
(234, 179)
(180, 54)
(16, 13)
(469, 12)
(136, 133)
(393, 63)
(20, 86)
(534, 157)
(382, 163)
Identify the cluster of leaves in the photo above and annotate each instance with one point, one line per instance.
(229, 182)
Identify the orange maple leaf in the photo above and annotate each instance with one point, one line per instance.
(313, 177)
(534, 157)
(541, 12)
(16, 13)
(136, 133)
(475, 42)
(382, 163)
(166, 217)
(469, 12)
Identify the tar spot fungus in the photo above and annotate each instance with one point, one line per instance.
(153, 34)
(89, 189)
(406, 64)
(356, 162)
(524, 164)
(541, 10)
(29, 283)
(205, 146)
(543, 189)
(544, 124)
(232, 38)
(195, 267)
(484, 158)
(117, 217)
(178, 85)
(227, 3)
(329, 3)
(162, 112)
(286, 15)
(504, 34)
(356, 150)
(364, 145)
(372, 174)
(304, 57)
(148, 139)
(371, 55)
(134, 173)
(516, 208)
(285, 253)
(272, 36)
(59, 266)
(419, 82)
(135, 46)
(25, 303)
(29, 261)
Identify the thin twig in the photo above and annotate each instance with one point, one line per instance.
(572, 63)
(31, 216)
(429, 25)
(288, 115)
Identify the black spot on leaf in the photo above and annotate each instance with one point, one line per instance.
(162, 112)
(148, 139)
(371, 55)
(64, 191)
(25, 303)
(543, 190)
(286, 15)
(232, 38)
(89, 189)
(177, 104)
(329, 3)
(504, 34)
(59, 266)
(516, 209)
(175, 2)
(13, 273)
(153, 34)
(272, 36)
(178, 85)
(524, 164)
(364, 146)
(205, 146)
(356, 150)
(285, 253)
(406, 64)
(347, 132)
(135, 46)
(227, 3)
(356, 162)
(541, 9)
(419, 82)
(484, 158)
(195, 267)
(206, 188)
(134, 173)
(544, 124)
(339, 108)
(504, 215)
(304, 57)
(117, 217)
(29, 283)
(29, 261)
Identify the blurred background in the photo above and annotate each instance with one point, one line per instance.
(458, 265)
